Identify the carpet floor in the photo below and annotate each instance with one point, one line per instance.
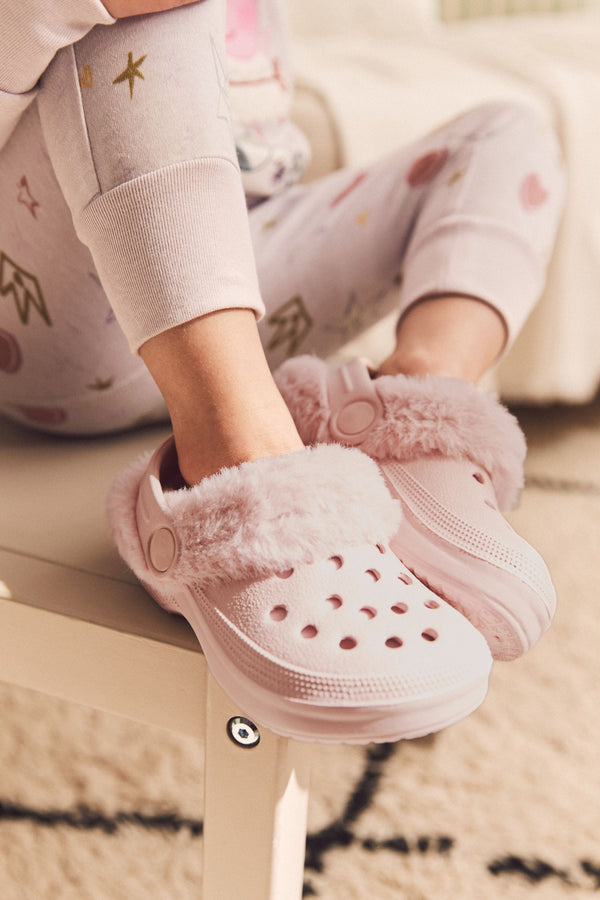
(503, 805)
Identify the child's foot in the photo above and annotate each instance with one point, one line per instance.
(454, 457)
(306, 618)
(278, 556)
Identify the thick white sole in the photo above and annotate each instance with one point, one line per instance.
(510, 615)
(334, 723)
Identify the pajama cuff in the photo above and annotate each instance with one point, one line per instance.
(173, 245)
(477, 258)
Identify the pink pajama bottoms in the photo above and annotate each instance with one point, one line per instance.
(123, 215)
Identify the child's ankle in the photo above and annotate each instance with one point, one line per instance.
(451, 336)
(420, 364)
(205, 445)
(223, 402)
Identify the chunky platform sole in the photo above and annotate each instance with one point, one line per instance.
(504, 610)
(305, 721)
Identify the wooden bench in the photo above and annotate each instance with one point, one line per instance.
(74, 623)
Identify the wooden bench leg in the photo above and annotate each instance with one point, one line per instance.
(255, 807)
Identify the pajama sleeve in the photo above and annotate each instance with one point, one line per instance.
(31, 33)
(136, 120)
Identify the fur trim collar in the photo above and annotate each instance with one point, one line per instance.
(262, 517)
(421, 417)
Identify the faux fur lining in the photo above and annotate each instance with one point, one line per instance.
(264, 516)
(422, 417)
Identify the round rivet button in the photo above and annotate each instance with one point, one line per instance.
(162, 549)
(243, 732)
(356, 417)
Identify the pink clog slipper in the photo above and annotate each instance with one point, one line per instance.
(454, 457)
(309, 622)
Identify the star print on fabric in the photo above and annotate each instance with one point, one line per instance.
(86, 80)
(144, 419)
(25, 290)
(101, 384)
(455, 177)
(292, 322)
(532, 192)
(424, 169)
(224, 106)
(355, 318)
(41, 415)
(358, 179)
(26, 198)
(10, 353)
(131, 72)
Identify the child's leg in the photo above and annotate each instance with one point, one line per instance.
(471, 212)
(498, 238)
(329, 289)
(466, 216)
(249, 556)
(137, 124)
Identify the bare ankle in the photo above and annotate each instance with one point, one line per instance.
(418, 362)
(224, 405)
(205, 445)
(450, 336)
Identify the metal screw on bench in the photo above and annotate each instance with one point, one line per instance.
(243, 732)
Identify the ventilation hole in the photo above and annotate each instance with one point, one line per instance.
(405, 579)
(348, 643)
(278, 613)
(285, 574)
(335, 601)
(380, 547)
(400, 608)
(338, 560)
(375, 575)
(309, 631)
(369, 612)
(478, 477)
(394, 643)
(432, 604)
(430, 634)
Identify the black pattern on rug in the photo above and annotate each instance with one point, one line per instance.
(86, 819)
(562, 485)
(536, 871)
(340, 833)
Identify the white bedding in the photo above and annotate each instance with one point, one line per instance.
(386, 89)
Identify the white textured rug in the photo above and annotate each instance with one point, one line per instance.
(503, 805)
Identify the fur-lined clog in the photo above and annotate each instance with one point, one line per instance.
(454, 456)
(306, 618)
